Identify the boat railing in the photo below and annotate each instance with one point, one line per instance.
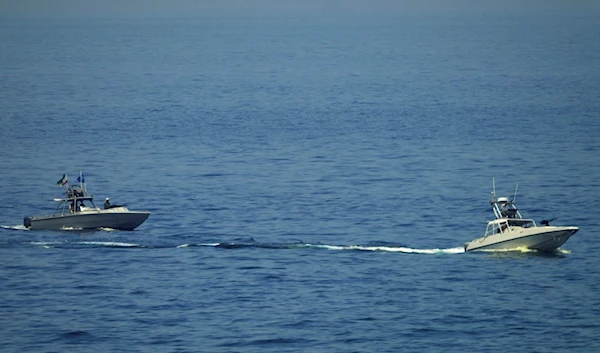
(61, 207)
(498, 226)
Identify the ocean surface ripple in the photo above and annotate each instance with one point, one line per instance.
(312, 183)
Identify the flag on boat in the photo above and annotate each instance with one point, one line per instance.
(62, 180)
(81, 178)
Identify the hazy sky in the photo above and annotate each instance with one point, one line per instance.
(283, 8)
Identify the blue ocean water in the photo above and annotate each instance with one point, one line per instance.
(311, 183)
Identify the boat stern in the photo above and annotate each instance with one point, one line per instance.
(466, 246)
(27, 222)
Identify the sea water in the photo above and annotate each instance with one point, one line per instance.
(311, 182)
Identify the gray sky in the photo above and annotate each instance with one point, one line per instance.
(283, 8)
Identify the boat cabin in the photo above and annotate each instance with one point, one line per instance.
(75, 201)
(507, 219)
(504, 225)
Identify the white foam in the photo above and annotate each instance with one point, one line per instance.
(328, 247)
(211, 245)
(523, 249)
(109, 243)
(406, 250)
(45, 243)
(17, 227)
(70, 228)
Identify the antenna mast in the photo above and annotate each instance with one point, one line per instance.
(82, 181)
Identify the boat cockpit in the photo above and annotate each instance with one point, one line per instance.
(76, 201)
(503, 225)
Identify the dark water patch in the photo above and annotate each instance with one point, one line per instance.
(75, 337)
(367, 319)
(246, 268)
(214, 175)
(301, 323)
(270, 342)
(215, 209)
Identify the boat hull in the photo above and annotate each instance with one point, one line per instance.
(128, 220)
(545, 239)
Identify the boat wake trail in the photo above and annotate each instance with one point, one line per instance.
(285, 246)
(251, 243)
(248, 245)
(373, 248)
(81, 244)
(22, 227)
(400, 249)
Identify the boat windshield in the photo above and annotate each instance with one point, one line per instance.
(523, 223)
(79, 205)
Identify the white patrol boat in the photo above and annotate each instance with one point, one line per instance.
(511, 231)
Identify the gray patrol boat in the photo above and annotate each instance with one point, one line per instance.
(78, 211)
